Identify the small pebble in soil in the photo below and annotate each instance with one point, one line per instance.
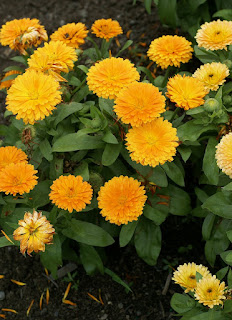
(104, 317)
(120, 305)
(2, 295)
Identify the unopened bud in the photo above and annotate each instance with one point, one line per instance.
(96, 123)
(227, 99)
(211, 105)
(96, 181)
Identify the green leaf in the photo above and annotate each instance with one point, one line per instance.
(147, 4)
(117, 279)
(11, 68)
(182, 303)
(46, 149)
(87, 233)
(228, 187)
(65, 110)
(90, 259)
(174, 173)
(106, 105)
(208, 226)
(82, 170)
(227, 305)
(210, 166)
(210, 252)
(5, 243)
(126, 45)
(76, 141)
(126, 233)
(205, 56)
(110, 138)
(192, 131)
(52, 257)
(210, 315)
(154, 214)
(10, 77)
(167, 12)
(111, 153)
(221, 273)
(185, 152)
(20, 59)
(74, 81)
(224, 13)
(220, 204)
(147, 240)
(56, 168)
(39, 195)
(229, 279)
(83, 68)
(180, 202)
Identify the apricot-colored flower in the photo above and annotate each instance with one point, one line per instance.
(152, 143)
(7, 84)
(210, 291)
(72, 34)
(55, 57)
(215, 35)
(224, 154)
(122, 200)
(34, 232)
(187, 92)
(33, 96)
(106, 28)
(139, 103)
(212, 75)
(107, 77)
(18, 178)
(170, 51)
(22, 34)
(10, 155)
(71, 193)
(185, 275)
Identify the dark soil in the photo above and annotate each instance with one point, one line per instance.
(146, 302)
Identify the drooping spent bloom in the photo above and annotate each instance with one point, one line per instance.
(185, 275)
(170, 51)
(210, 291)
(11, 154)
(71, 193)
(72, 34)
(224, 154)
(212, 75)
(187, 92)
(106, 28)
(7, 84)
(55, 57)
(18, 178)
(107, 77)
(34, 232)
(121, 200)
(33, 96)
(215, 35)
(22, 34)
(152, 143)
(139, 103)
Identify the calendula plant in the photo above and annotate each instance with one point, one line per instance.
(96, 149)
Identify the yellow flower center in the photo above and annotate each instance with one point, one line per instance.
(122, 199)
(71, 192)
(33, 95)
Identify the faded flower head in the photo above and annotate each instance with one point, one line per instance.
(224, 154)
(22, 34)
(187, 92)
(71, 193)
(55, 57)
(106, 28)
(152, 143)
(212, 75)
(7, 84)
(210, 291)
(34, 232)
(18, 178)
(170, 51)
(72, 34)
(10, 155)
(33, 96)
(139, 103)
(215, 35)
(185, 275)
(121, 200)
(107, 77)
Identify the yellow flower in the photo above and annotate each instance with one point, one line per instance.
(55, 57)
(215, 35)
(18, 178)
(106, 28)
(7, 84)
(72, 34)
(210, 291)
(10, 155)
(33, 96)
(139, 103)
(187, 92)
(22, 34)
(71, 193)
(107, 77)
(212, 75)
(185, 275)
(122, 200)
(34, 232)
(152, 143)
(224, 154)
(170, 51)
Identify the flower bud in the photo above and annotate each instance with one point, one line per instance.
(28, 133)
(211, 105)
(227, 99)
(96, 181)
(96, 123)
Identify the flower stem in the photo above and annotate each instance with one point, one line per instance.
(167, 72)
(174, 114)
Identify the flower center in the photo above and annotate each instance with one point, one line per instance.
(122, 199)
(192, 277)
(33, 95)
(71, 192)
(209, 290)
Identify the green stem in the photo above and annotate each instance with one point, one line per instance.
(166, 77)
(77, 88)
(96, 47)
(174, 114)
